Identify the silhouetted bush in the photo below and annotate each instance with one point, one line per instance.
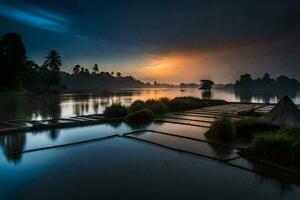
(164, 100)
(140, 115)
(116, 110)
(137, 105)
(185, 103)
(158, 107)
(222, 129)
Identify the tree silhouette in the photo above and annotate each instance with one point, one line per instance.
(32, 65)
(53, 63)
(119, 74)
(112, 73)
(206, 85)
(95, 69)
(266, 77)
(12, 58)
(76, 69)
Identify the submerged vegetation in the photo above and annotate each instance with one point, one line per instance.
(140, 110)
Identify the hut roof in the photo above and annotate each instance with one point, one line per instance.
(285, 113)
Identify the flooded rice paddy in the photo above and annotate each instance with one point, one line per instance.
(168, 158)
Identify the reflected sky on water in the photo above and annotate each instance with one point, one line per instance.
(98, 168)
(38, 107)
(133, 169)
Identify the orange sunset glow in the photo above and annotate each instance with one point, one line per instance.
(176, 67)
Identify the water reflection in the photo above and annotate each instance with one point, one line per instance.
(139, 124)
(115, 124)
(265, 97)
(13, 143)
(18, 142)
(33, 140)
(54, 133)
(37, 107)
(122, 162)
(206, 94)
(285, 177)
(221, 152)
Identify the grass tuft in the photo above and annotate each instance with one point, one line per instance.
(222, 130)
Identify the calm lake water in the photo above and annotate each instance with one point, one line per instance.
(40, 107)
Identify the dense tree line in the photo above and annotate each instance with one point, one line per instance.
(20, 73)
(281, 84)
(82, 78)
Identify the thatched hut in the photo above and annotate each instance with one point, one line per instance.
(285, 114)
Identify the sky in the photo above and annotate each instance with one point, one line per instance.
(168, 41)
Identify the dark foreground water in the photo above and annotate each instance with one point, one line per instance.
(125, 168)
(39, 107)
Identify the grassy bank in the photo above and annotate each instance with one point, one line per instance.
(267, 142)
(145, 110)
(280, 146)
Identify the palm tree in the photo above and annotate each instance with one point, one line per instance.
(76, 69)
(95, 69)
(53, 61)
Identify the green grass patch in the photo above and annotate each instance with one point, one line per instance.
(222, 130)
(281, 146)
(116, 111)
